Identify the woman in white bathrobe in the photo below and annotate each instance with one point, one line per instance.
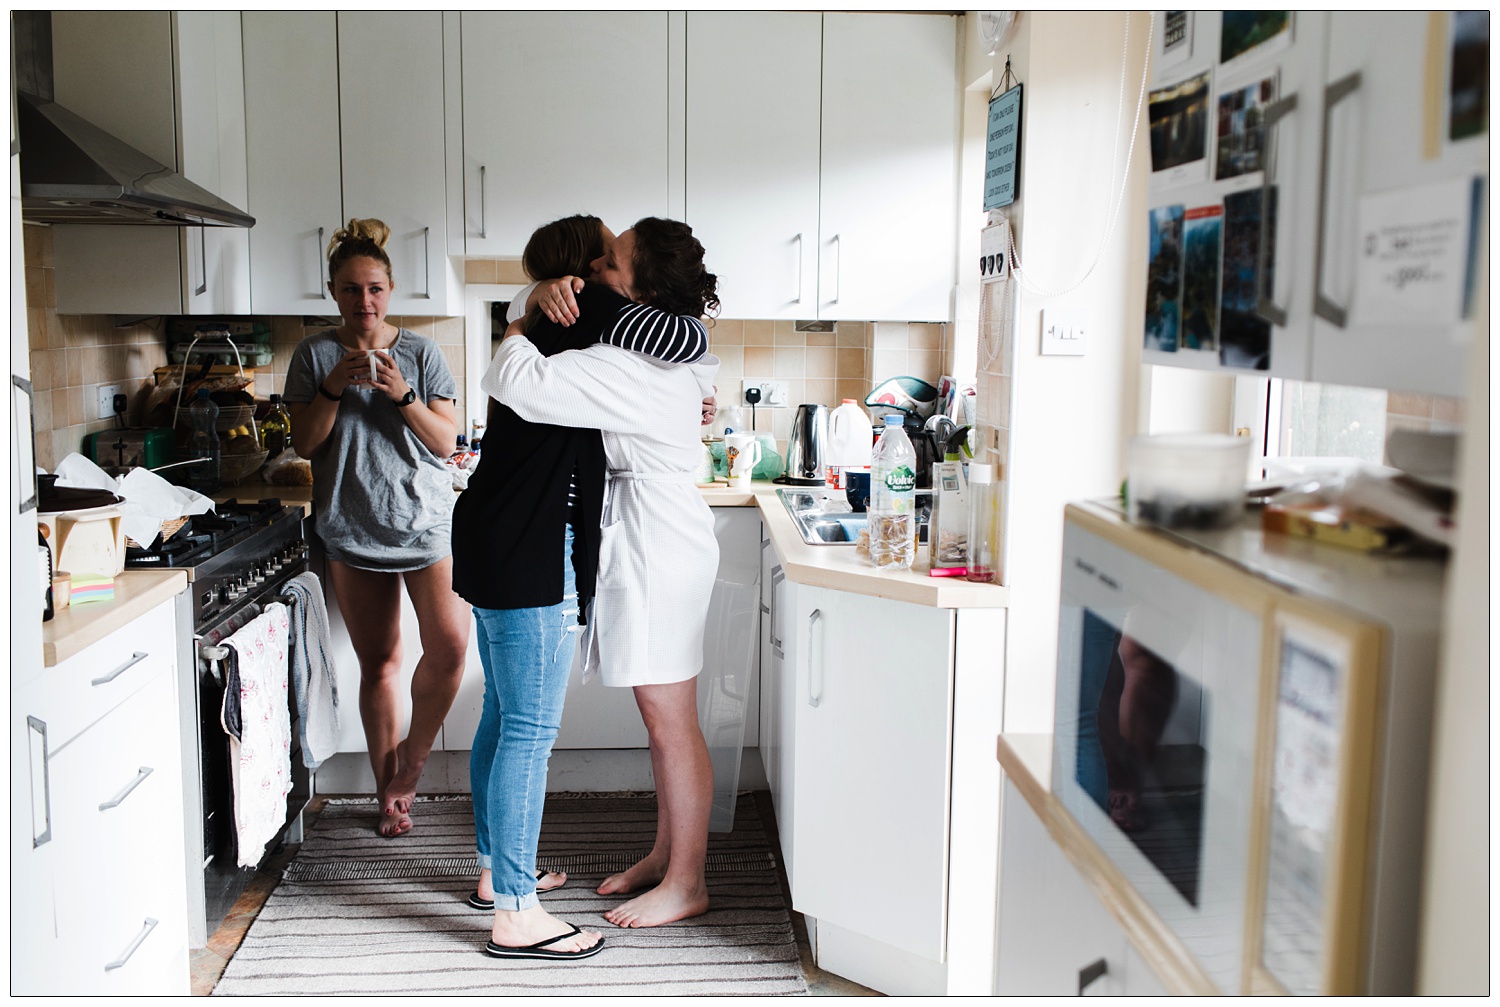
(658, 554)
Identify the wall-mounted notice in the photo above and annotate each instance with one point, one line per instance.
(1413, 248)
(1176, 37)
(1179, 132)
(1002, 153)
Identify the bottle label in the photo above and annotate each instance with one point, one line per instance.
(901, 479)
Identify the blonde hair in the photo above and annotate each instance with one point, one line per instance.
(362, 237)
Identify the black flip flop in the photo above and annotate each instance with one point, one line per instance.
(539, 949)
(489, 904)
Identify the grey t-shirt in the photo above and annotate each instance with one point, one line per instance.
(383, 501)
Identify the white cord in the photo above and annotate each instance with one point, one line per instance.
(1020, 274)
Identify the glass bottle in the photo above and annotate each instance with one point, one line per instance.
(982, 545)
(276, 428)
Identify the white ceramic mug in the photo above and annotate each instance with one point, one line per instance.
(742, 453)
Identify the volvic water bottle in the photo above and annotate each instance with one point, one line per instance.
(893, 498)
(203, 445)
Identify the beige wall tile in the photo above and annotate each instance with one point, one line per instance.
(887, 364)
(74, 358)
(36, 328)
(822, 362)
(822, 390)
(925, 335)
(95, 365)
(41, 369)
(510, 271)
(37, 244)
(850, 388)
(36, 288)
(1396, 421)
(790, 361)
(822, 338)
(853, 334)
(925, 364)
(796, 393)
(726, 332)
(1446, 410)
(42, 404)
(49, 286)
(481, 271)
(760, 362)
(760, 333)
(731, 364)
(450, 331)
(72, 404)
(891, 336)
(787, 334)
(852, 364)
(1406, 404)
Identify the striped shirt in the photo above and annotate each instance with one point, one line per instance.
(677, 339)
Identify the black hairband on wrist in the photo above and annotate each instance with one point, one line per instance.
(327, 394)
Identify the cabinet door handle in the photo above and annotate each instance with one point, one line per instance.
(38, 747)
(318, 259)
(798, 240)
(118, 799)
(427, 260)
(777, 576)
(814, 660)
(1323, 305)
(482, 214)
(202, 288)
(146, 929)
(838, 267)
(1265, 303)
(1091, 973)
(135, 659)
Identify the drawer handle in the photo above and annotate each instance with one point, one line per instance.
(118, 799)
(135, 659)
(798, 240)
(483, 232)
(202, 288)
(814, 697)
(318, 258)
(39, 760)
(149, 926)
(1090, 974)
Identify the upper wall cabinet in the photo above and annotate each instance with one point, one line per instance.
(889, 211)
(752, 157)
(296, 193)
(171, 85)
(566, 113)
(391, 86)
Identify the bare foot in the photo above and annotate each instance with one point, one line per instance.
(402, 788)
(531, 926)
(647, 873)
(660, 905)
(393, 823)
(545, 882)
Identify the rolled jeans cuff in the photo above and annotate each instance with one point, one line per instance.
(516, 903)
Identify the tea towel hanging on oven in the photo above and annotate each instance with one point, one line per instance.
(260, 759)
(313, 680)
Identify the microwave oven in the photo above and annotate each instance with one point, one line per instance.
(1242, 729)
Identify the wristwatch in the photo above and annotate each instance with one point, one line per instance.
(407, 399)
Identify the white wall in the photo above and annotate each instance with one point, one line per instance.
(1070, 416)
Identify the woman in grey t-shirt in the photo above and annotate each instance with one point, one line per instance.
(372, 411)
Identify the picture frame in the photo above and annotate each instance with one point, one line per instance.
(1002, 154)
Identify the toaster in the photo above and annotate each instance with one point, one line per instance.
(119, 451)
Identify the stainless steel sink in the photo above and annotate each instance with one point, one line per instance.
(822, 518)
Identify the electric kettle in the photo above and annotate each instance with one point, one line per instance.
(806, 447)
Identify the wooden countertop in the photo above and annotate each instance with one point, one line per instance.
(78, 626)
(1026, 760)
(252, 489)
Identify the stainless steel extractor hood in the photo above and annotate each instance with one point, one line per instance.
(73, 172)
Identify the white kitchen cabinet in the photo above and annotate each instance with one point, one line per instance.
(1054, 936)
(752, 156)
(567, 112)
(170, 84)
(394, 149)
(97, 836)
(890, 133)
(295, 188)
(873, 700)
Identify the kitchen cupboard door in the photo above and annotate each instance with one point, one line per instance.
(1391, 157)
(873, 707)
(752, 156)
(564, 112)
(890, 136)
(781, 766)
(394, 150)
(295, 189)
(34, 950)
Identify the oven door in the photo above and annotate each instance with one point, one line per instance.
(1153, 750)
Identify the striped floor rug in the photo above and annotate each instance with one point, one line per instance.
(359, 915)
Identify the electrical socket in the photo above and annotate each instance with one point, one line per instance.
(106, 402)
(773, 394)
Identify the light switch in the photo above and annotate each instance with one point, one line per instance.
(1063, 333)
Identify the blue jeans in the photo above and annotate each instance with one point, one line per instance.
(527, 654)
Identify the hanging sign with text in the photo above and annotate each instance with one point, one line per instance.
(1002, 152)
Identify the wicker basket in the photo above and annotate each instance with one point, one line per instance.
(237, 468)
(231, 417)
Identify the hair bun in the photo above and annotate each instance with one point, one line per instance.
(362, 229)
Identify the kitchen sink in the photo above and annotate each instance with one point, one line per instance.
(824, 517)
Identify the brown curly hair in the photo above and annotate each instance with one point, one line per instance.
(668, 269)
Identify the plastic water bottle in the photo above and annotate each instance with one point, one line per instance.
(203, 445)
(893, 498)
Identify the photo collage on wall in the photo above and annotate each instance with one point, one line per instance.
(1208, 130)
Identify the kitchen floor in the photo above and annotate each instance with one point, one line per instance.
(207, 963)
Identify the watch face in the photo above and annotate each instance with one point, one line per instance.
(409, 397)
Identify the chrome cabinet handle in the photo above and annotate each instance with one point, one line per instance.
(814, 697)
(427, 260)
(1323, 305)
(118, 799)
(135, 659)
(149, 926)
(1265, 304)
(838, 268)
(39, 758)
(482, 214)
(203, 253)
(798, 240)
(318, 258)
(777, 576)
(1091, 973)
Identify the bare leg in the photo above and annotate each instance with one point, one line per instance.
(371, 604)
(684, 796)
(443, 621)
(648, 871)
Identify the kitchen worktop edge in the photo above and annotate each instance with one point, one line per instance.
(78, 626)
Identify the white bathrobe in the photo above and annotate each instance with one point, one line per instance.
(658, 555)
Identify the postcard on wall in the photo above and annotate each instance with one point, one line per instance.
(1248, 36)
(1164, 280)
(1242, 129)
(1468, 74)
(1244, 336)
(1176, 38)
(1413, 255)
(1179, 131)
(1202, 233)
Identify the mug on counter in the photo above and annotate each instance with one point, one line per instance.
(743, 452)
(857, 488)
